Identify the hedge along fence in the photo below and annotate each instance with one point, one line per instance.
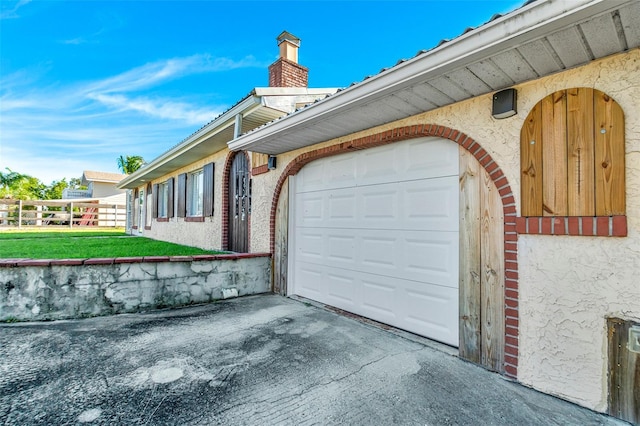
(38, 213)
(32, 290)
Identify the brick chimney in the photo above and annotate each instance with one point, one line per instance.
(286, 72)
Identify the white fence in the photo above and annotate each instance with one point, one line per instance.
(60, 213)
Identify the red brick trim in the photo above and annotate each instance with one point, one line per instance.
(162, 219)
(601, 226)
(260, 170)
(134, 227)
(225, 200)
(194, 219)
(147, 228)
(499, 179)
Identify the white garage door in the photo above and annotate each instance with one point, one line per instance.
(375, 232)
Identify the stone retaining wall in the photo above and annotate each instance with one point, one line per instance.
(32, 290)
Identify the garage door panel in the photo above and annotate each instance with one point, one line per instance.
(428, 307)
(431, 204)
(342, 208)
(310, 210)
(378, 251)
(341, 248)
(310, 245)
(433, 158)
(308, 278)
(379, 299)
(375, 232)
(342, 289)
(312, 179)
(431, 257)
(379, 166)
(340, 171)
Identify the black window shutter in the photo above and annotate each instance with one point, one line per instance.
(207, 190)
(170, 197)
(155, 201)
(182, 195)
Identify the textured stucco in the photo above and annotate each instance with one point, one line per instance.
(568, 285)
(206, 235)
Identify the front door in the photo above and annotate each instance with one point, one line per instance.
(239, 204)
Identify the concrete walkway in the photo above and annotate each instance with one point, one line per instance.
(260, 360)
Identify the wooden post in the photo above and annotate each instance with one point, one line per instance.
(38, 215)
(19, 213)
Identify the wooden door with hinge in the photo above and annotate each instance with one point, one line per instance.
(239, 204)
(482, 275)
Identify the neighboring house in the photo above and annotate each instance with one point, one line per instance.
(101, 186)
(484, 193)
(101, 189)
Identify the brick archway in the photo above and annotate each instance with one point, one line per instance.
(511, 318)
(225, 198)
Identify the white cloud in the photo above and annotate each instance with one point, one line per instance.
(158, 108)
(53, 131)
(13, 12)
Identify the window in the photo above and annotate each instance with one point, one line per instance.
(572, 156)
(195, 192)
(163, 199)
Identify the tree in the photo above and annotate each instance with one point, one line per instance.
(55, 190)
(20, 187)
(130, 163)
(76, 183)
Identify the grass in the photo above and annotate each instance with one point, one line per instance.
(15, 233)
(86, 244)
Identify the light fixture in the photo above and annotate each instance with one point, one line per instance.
(504, 103)
(271, 163)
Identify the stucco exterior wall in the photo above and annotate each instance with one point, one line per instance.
(206, 235)
(568, 285)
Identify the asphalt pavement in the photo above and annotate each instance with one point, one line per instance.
(259, 360)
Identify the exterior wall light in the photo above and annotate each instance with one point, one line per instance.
(504, 103)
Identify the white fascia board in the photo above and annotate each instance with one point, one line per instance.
(525, 24)
(292, 91)
(215, 126)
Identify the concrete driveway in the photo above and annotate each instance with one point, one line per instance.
(262, 360)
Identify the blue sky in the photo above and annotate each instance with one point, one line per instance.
(82, 82)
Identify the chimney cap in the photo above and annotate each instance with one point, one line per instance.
(287, 36)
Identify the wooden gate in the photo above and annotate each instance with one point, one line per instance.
(482, 275)
(239, 204)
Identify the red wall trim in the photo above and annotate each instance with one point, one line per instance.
(260, 170)
(601, 226)
(194, 219)
(508, 205)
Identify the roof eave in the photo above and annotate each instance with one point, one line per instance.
(137, 178)
(527, 23)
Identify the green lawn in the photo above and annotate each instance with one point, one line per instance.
(86, 244)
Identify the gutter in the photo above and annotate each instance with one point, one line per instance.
(531, 21)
